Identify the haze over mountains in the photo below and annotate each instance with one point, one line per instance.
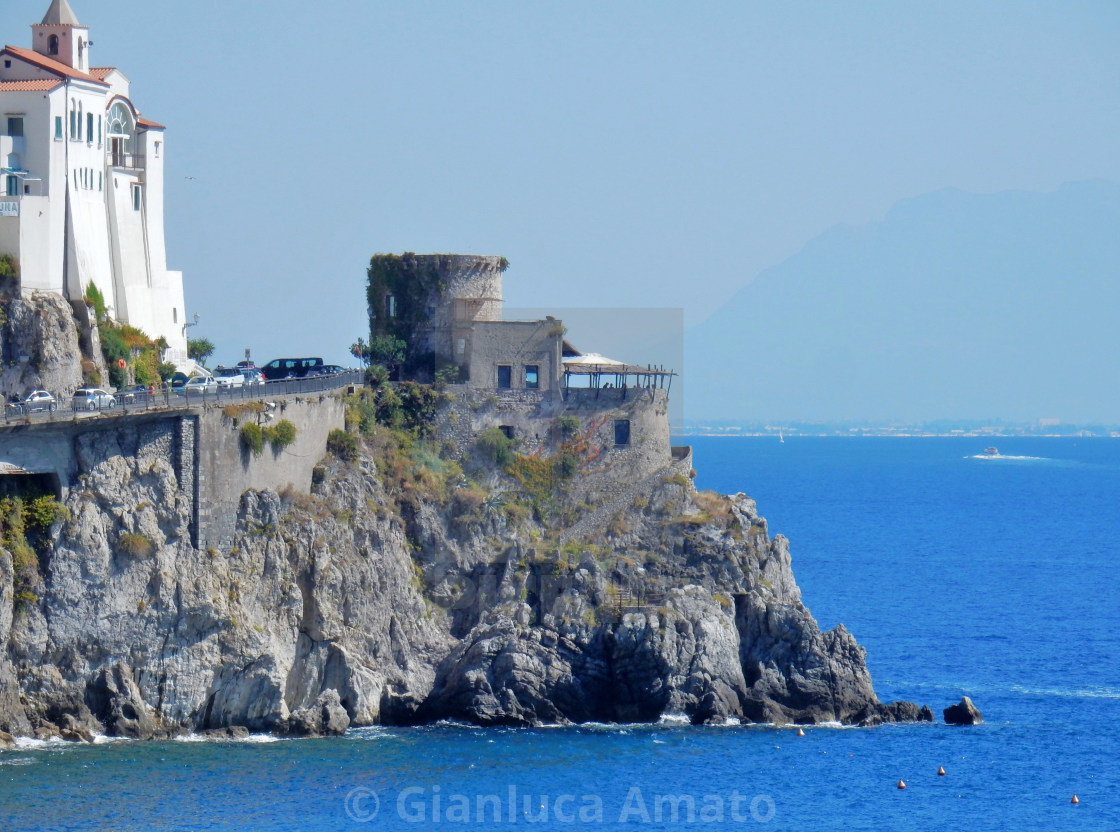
(954, 306)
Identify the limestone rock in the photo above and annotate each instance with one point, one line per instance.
(355, 605)
(963, 713)
(40, 347)
(326, 717)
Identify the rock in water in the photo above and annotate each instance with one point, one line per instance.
(326, 717)
(963, 713)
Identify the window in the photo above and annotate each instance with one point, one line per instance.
(79, 122)
(622, 431)
(99, 131)
(120, 122)
(15, 125)
(73, 122)
(391, 306)
(89, 128)
(58, 127)
(13, 186)
(136, 197)
(504, 376)
(157, 149)
(507, 430)
(174, 314)
(99, 180)
(7, 64)
(532, 376)
(52, 45)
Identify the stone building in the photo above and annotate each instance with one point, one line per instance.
(520, 376)
(81, 189)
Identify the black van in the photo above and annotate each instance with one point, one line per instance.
(290, 368)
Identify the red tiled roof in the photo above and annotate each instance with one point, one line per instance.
(99, 72)
(49, 64)
(29, 86)
(147, 122)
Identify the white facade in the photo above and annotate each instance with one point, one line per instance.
(81, 182)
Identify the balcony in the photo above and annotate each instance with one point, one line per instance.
(127, 161)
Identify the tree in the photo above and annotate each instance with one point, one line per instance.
(387, 350)
(360, 351)
(199, 349)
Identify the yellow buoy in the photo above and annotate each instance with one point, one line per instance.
(941, 771)
(1074, 799)
(901, 784)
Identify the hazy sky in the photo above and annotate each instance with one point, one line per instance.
(618, 153)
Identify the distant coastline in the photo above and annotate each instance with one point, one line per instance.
(789, 430)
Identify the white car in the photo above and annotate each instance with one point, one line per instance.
(93, 398)
(229, 377)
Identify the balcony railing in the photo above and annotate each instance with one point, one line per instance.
(128, 161)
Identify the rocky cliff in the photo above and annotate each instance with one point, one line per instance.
(40, 345)
(397, 592)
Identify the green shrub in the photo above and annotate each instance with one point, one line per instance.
(42, 512)
(280, 435)
(568, 425)
(496, 447)
(135, 545)
(252, 438)
(9, 267)
(96, 301)
(342, 444)
(566, 465)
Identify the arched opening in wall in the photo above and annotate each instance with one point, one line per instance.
(120, 124)
(26, 485)
(52, 45)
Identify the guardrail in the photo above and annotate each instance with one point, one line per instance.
(167, 399)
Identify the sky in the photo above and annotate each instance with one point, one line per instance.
(619, 154)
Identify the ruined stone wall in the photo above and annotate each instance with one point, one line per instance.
(532, 416)
(227, 469)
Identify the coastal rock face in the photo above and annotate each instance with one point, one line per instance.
(963, 713)
(39, 345)
(369, 602)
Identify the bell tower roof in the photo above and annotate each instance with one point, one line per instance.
(60, 14)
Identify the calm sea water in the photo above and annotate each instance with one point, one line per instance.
(995, 578)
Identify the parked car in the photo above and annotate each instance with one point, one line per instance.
(291, 367)
(137, 393)
(252, 375)
(34, 401)
(229, 377)
(198, 386)
(93, 398)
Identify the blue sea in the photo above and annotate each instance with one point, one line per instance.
(960, 574)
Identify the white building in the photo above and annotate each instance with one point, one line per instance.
(81, 187)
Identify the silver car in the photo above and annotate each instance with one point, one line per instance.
(93, 398)
(34, 401)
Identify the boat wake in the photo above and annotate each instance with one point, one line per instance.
(1005, 457)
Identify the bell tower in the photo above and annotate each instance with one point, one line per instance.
(60, 36)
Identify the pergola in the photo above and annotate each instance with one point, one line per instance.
(602, 372)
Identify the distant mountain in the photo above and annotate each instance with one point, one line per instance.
(955, 305)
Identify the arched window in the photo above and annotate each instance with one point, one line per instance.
(73, 119)
(52, 45)
(119, 125)
(79, 121)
